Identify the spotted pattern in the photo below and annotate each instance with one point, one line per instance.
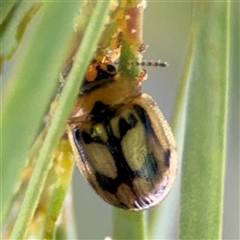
(103, 114)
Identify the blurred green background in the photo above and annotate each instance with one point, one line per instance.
(167, 31)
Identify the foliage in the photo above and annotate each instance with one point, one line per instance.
(33, 186)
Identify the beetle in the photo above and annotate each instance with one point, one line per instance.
(123, 145)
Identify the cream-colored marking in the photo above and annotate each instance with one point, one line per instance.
(101, 159)
(115, 126)
(142, 186)
(134, 146)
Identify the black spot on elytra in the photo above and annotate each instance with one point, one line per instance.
(86, 138)
(125, 173)
(132, 120)
(149, 168)
(142, 114)
(106, 183)
(167, 158)
(123, 127)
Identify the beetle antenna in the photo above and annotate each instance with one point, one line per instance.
(147, 64)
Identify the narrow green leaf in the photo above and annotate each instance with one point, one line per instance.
(166, 214)
(206, 124)
(70, 91)
(29, 90)
(14, 26)
(5, 9)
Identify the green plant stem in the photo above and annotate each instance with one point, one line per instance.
(129, 225)
(28, 91)
(59, 121)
